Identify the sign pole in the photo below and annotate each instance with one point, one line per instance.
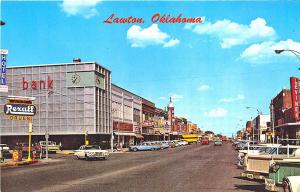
(47, 138)
(29, 141)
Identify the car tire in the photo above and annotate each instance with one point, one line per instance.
(135, 149)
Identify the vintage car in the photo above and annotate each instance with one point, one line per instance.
(205, 142)
(146, 146)
(279, 170)
(257, 166)
(4, 151)
(255, 150)
(91, 152)
(164, 144)
(217, 143)
(182, 143)
(52, 146)
(291, 184)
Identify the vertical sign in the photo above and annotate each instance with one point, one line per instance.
(3, 66)
(295, 93)
(3, 82)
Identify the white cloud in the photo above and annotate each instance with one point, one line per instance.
(219, 112)
(176, 97)
(239, 97)
(264, 52)
(204, 88)
(152, 35)
(85, 8)
(162, 98)
(171, 43)
(230, 33)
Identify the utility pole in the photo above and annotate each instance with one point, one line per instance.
(273, 118)
(47, 131)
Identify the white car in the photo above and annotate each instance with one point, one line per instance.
(4, 148)
(182, 143)
(91, 152)
(291, 184)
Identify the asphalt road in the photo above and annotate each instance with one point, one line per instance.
(182, 169)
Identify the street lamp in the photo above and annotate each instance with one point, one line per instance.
(296, 53)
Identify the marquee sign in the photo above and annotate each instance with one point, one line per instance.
(19, 109)
(295, 92)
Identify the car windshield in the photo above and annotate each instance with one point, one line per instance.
(92, 147)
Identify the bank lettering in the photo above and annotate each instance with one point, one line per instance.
(34, 84)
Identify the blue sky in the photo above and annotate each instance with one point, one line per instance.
(213, 70)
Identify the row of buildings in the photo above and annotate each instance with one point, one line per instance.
(78, 100)
(283, 122)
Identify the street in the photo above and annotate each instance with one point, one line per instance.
(188, 168)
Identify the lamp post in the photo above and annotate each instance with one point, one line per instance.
(296, 53)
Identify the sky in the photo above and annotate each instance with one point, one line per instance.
(212, 70)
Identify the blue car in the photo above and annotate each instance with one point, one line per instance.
(146, 146)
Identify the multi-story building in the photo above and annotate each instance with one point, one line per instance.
(260, 124)
(126, 114)
(285, 123)
(148, 112)
(72, 100)
(192, 127)
(160, 124)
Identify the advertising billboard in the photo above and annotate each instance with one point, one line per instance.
(295, 93)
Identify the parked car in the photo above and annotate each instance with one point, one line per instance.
(182, 143)
(218, 143)
(52, 146)
(91, 152)
(279, 171)
(172, 144)
(4, 148)
(205, 142)
(291, 184)
(258, 166)
(146, 146)
(4, 151)
(162, 144)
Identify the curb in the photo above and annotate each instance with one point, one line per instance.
(65, 152)
(20, 163)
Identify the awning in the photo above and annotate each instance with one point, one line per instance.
(139, 136)
(124, 134)
(288, 124)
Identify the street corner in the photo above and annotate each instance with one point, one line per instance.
(17, 163)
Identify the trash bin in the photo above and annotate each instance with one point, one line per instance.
(17, 155)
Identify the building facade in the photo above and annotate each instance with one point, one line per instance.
(285, 123)
(72, 100)
(127, 116)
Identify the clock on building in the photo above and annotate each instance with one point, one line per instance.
(75, 78)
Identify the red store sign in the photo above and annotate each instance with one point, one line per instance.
(35, 85)
(119, 126)
(295, 93)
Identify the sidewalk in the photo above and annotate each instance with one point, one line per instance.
(10, 163)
